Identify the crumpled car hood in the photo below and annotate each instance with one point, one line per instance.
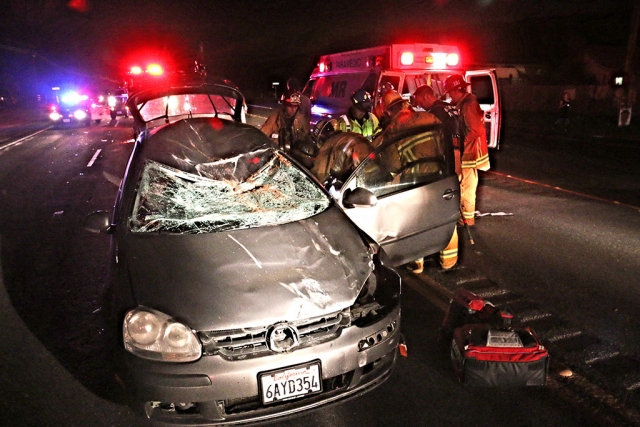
(250, 277)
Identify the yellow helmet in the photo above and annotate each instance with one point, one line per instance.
(390, 98)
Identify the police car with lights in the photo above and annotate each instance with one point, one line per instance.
(71, 108)
(401, 67)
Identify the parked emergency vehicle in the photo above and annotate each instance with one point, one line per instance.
(402, 67)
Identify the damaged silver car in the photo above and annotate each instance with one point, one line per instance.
(241, 291)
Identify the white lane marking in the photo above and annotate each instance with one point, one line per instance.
(23, 138)
(95, 156)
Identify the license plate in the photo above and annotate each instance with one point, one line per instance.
(290, 383)
(66, 120)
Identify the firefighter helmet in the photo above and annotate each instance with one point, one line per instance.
(361, 99)
(322, 130)
(305, 152)
(290, 97)
(391, 98)
(455, 81)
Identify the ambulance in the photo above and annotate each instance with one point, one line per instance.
(402, 67)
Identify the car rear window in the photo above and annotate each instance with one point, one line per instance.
(254, 189)
(188, 105)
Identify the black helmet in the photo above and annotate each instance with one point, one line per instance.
(291, 97)
(305, 152)
(322, 130)
(455, 81)
(361, 100)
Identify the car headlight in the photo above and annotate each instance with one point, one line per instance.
(55, 116)
(80, 114)
(150, 334)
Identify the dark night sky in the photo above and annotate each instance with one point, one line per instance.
(253, 42)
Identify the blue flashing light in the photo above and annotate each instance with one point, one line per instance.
(73, 98)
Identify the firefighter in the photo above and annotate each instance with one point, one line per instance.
(359, 118)
(475, 151)
(391, 103)
(378, 109)
(287, 126)
(305, 102)
(339, 152)
(425, 98)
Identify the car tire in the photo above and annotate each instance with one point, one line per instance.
(113, 115)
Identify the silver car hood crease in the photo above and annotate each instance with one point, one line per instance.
(250, 277)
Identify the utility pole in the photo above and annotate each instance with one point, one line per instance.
(625, 110)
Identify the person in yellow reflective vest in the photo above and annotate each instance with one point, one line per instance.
(475, 151)
(359, 118)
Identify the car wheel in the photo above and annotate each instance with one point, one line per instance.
(113, 115)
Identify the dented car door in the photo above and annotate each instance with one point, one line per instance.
(413, 190)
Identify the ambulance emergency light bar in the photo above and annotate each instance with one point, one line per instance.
(416, 56)
(152, 69)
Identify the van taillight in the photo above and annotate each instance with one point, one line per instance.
(453, 59)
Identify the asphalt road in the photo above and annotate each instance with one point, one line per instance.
(52, 362)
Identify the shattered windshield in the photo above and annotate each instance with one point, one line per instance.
(251, 190)
(189, 105)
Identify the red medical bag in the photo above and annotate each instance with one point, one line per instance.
(486, 350)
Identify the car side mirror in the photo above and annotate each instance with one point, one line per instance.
(97, 222)
(359, 197)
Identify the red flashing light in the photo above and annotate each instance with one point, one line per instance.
(406, 58)
(136, 70)
(453, 59)
(324, 66)
(155, 69)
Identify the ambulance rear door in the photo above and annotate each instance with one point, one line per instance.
(484, 85)
(389, 80)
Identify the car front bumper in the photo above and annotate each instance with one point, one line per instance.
(214, 391)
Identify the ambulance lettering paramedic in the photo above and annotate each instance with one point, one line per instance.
(287, 125)
(475, 151)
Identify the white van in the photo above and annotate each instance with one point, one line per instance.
(403, 67)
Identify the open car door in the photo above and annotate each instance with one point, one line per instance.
(484, 85)
(406, 194)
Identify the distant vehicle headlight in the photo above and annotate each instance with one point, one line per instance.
(80, 114)
(150, 334)
(55, 116)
